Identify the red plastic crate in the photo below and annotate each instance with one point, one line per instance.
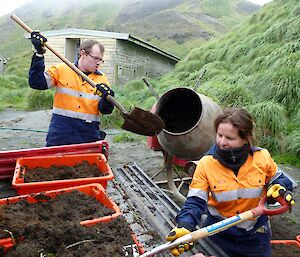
(291, 245)
(8, 158)
(93, 190)
(65, 160)
(6, 244)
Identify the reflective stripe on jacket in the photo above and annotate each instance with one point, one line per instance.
(74, 97)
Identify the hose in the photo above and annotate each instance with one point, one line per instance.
(46, 131)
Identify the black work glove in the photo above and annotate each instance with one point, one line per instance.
(103, 90)
(38, 42)
(106, 107)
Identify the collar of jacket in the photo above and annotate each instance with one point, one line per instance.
(213, 148)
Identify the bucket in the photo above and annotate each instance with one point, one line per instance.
(189, 123)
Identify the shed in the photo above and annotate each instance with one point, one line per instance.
(125, 58)
(3, 62)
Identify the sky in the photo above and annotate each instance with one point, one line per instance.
(11, 5)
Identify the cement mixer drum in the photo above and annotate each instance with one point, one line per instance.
(189, 119)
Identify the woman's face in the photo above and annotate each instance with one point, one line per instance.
(228, 137)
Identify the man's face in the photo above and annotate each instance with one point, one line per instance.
(92, 60)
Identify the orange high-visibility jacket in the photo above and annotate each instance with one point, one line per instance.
(227, 194)
(74, 97)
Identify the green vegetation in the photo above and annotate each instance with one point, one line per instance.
(153, 22)
(13, 92)
(256, 66)
(39, 100)
(127, 137)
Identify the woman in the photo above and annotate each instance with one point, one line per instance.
(230, 179)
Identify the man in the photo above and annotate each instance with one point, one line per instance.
(77, 106)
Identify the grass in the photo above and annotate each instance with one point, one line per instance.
(39, 100)
(289, 159)
(127, 137)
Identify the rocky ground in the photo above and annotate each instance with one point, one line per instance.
(21, 130)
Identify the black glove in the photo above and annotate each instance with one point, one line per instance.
(105, 107)
(38, 42)
(103, 90)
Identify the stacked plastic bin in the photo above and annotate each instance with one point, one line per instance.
(92, 186)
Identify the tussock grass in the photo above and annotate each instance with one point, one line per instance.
(112, 120)
(285, 89)
(294, 142)
(39, 100)
(12, 97)
(127, 137)
(270, 125)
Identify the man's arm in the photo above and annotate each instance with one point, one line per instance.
(37, 78)
(37, 75)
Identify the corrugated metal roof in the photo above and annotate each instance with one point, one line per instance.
(85, 32)
(98, 33)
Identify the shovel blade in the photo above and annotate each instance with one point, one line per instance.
(142, 122)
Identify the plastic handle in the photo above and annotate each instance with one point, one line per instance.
(261, 209)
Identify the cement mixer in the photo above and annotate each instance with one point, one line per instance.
(189, 130)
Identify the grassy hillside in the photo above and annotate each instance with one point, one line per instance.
(256, 66)
(54, 14)
(194, 20)
(180, 25)
(131, 16)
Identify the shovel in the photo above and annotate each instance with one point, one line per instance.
(222, 225)
(137, 121)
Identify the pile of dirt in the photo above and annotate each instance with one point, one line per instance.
(81, 170)
(285, 250)
(52, 227)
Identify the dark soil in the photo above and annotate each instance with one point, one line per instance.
(53, 227)
(81, 170)
(284, 250)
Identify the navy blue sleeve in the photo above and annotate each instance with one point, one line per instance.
(284, 181)
(190, 214)
(104, 106)
(36, 73)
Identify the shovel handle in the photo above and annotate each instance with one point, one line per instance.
(222, 225)
(71, 65)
